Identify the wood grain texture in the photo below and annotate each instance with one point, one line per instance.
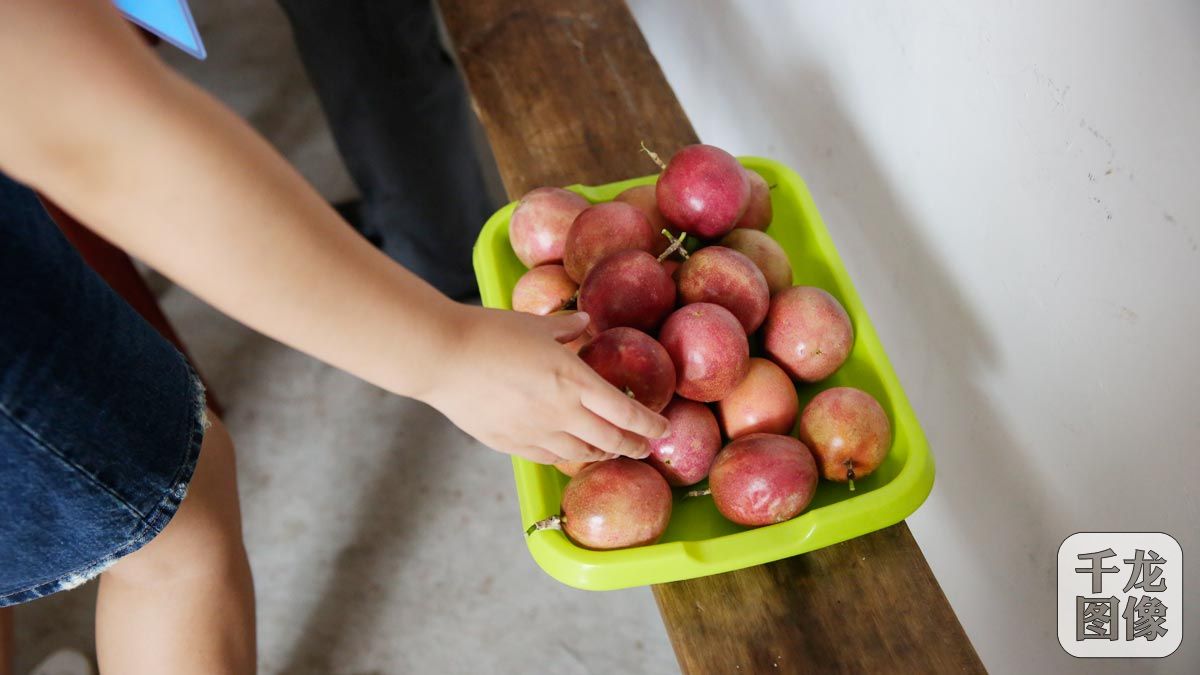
(566, 92)
(869, 605)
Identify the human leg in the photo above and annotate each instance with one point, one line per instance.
(184, 602)
(398, 112)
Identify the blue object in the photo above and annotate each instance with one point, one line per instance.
(170, 20)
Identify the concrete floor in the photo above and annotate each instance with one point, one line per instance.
(383, 540)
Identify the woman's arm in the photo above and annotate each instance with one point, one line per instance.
(91, 118)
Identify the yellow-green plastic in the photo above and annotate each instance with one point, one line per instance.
(699, 541)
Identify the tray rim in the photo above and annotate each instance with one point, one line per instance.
(674, 561)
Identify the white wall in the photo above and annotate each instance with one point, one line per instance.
(1013, 187)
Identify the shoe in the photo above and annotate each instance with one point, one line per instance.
(458, 284)
(351, 212)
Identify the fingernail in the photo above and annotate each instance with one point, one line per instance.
(584, 315)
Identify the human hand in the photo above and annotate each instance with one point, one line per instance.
(508, 381)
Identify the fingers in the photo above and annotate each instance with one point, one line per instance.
(600, 434)
(573, 449)
(618, 409)
(537, 455)
(562, 447)
(567, 326)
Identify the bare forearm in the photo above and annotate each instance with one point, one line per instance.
(176, 179)
(91, 119)
(227, 218)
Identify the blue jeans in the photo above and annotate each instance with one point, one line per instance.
(101, 419)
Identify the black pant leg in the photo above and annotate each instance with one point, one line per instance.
(398, 112)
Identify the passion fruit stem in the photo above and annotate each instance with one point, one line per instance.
(551, 523)
(850, 474)
(654, 156)
(698, 493)
(676, 245)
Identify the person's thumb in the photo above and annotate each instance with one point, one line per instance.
(566, 326)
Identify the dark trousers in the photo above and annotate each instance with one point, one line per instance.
(398, 112)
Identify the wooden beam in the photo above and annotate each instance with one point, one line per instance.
(868, 605)
(567, 91)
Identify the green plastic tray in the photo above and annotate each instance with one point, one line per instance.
(699, 542)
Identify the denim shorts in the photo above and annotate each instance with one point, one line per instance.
(101, 418)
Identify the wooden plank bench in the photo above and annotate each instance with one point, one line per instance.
(566, 91)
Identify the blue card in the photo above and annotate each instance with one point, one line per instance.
(170, 20)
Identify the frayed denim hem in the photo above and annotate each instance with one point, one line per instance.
(152, 523)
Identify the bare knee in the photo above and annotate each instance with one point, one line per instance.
(205, 535)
